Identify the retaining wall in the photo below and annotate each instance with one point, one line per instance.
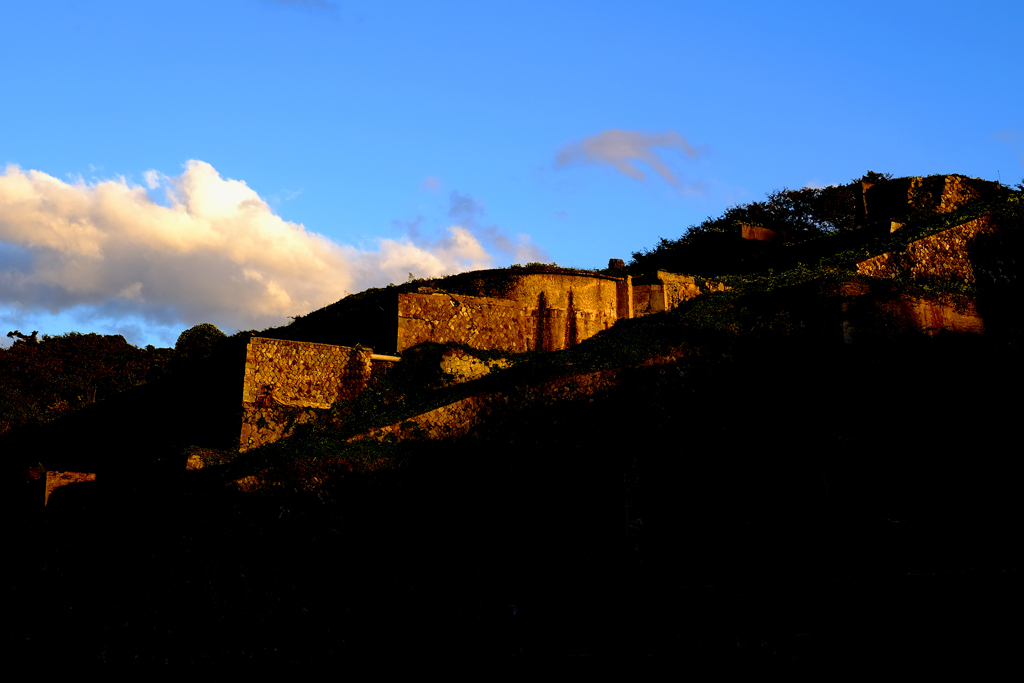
(462, 417)
(54, 480)
(287, 383)
(940, 194)
(868, 320)
(947, 255)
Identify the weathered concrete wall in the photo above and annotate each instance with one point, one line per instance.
(943, 256)
(286, 382)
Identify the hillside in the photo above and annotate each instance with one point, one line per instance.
(794, 470)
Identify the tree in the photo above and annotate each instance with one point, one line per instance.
(198, 342)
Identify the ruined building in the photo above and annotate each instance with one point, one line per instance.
(333, 353)
(514, 310)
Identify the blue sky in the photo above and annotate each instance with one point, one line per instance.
(242, 161)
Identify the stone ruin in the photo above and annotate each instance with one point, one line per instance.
(287, 382)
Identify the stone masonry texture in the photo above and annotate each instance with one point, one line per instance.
(948, 255)
(463, 417)
(460, 418)
(664, 291)
(480, 322)
(287, 382)
(536, 312)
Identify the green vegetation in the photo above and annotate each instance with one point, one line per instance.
(764, 456)
(197, 342)
(775, 289)
(45, 379)
(765, 306)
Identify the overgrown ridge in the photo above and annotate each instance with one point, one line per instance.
(762, 306)
(735, 463)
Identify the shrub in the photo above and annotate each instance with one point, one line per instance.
(197, 343)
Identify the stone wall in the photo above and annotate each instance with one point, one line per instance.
(947, 255)
(287, 383)
(462, 417)
(946, 194)
(480, 322)
(867, 319)
(538, 312)
(894, 199)
(465, 367)
(565, 309)
(873, 311)
(664, 291)
(648, 297)
(54, 480)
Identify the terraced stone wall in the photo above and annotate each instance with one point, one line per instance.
(894, 199)
(463, 417)
(947, 193)
(948, 255)
(867, 320)
(468, 416)
(288, 382)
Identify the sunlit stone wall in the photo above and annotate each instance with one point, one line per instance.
(286, 382)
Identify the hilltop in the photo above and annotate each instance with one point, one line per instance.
(800, 391)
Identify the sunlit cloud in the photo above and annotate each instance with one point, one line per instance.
(622, 148)
(469, 212)
(214, 251)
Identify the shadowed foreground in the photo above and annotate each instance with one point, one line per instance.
(816, 510)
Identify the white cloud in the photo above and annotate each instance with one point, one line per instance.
(621, 148)
(215, 253)
(469, 212)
